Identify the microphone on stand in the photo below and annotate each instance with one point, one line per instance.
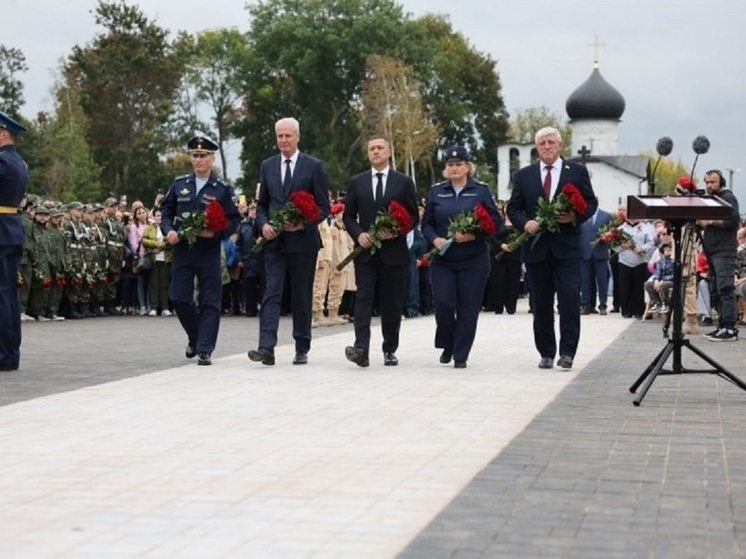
(664, 148)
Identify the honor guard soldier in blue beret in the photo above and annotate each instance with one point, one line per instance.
(190, 194)
(13, 181)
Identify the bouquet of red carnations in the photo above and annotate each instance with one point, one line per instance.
(395, 219)
(608, 233)
(569, 199)
(301, 207)
(192, 223)
(476, 221)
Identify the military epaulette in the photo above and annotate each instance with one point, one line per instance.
(437, 184)
(222, 182)
(484, 184)
(182, 177)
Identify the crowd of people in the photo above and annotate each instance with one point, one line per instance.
(451, 254)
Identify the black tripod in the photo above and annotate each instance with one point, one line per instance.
(677, 340)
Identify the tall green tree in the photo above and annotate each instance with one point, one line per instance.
(217, 60)
(463, 91)
(66, 168)
(12, 62)
(309, 62)
(127, 77)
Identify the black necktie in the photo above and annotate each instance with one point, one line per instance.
(379, 190)
(286, 180)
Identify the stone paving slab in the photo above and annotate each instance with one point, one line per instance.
(326, 460)
(593, 476)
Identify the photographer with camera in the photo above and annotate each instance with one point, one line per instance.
(720, 245)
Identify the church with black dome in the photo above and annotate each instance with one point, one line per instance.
(595, 110)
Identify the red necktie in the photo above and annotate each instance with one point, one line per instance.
(548, 181)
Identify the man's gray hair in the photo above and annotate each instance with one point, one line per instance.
(547, 131)
(288, 120)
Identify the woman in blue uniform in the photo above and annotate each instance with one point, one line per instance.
(459, 274)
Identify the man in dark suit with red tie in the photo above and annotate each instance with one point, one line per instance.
(368, 193)
(553, 263)
(293, 249)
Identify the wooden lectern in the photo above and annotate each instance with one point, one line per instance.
(678, 211)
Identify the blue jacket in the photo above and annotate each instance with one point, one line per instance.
(13, 181)
(443, 203)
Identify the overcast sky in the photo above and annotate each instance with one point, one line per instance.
(679, 64)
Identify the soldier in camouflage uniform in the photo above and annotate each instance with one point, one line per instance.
(41, 276)
(100, 256)
(24, 271)
(114, 232)
(57, 264)
(77, 237)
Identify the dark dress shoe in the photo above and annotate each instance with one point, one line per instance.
(204, 358)
(445, 357)
(459, 364)
(602, 311)
(9, 367)
(301, 358)
(565, 361)
(585, 311)
(262, 355)
(390, 360)
(546, 363)
(191, 351)
(357, 356)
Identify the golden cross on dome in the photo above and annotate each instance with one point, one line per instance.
(596, 44)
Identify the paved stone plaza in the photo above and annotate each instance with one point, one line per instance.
(114, 445)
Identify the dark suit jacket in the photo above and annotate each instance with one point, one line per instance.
(524, 199)
(360, 212)
(309, 175)
(589, 233)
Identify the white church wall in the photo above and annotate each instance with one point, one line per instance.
(598, 136)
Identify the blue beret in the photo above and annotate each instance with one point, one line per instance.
(13, 126)
(202, 144)
(456, 153)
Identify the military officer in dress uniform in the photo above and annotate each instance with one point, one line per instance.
(188, 194)
(13, 181)
(114, 232)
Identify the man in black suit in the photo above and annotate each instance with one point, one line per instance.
(294, 248)
(368, 193)
(554, 261)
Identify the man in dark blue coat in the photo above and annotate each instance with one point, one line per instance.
(294, 248)
(13, 181)
(553, 261)
(595, 268)
(190, 194)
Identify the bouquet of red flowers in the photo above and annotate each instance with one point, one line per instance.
(569, 199)
(192, 223)
(395, 219)
(43, 279)
(61, 279)
(608, 233)
(301, 207)
(476, 221)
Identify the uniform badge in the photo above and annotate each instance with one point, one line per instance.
(184, 191)
(209, 197)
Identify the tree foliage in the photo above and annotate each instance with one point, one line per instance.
(66, 168)
(392, 105)
(463, 91)
(527, 121)
(309, 60)
(12, 62)
(127, 77)
(667, 172)
(216, 61)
